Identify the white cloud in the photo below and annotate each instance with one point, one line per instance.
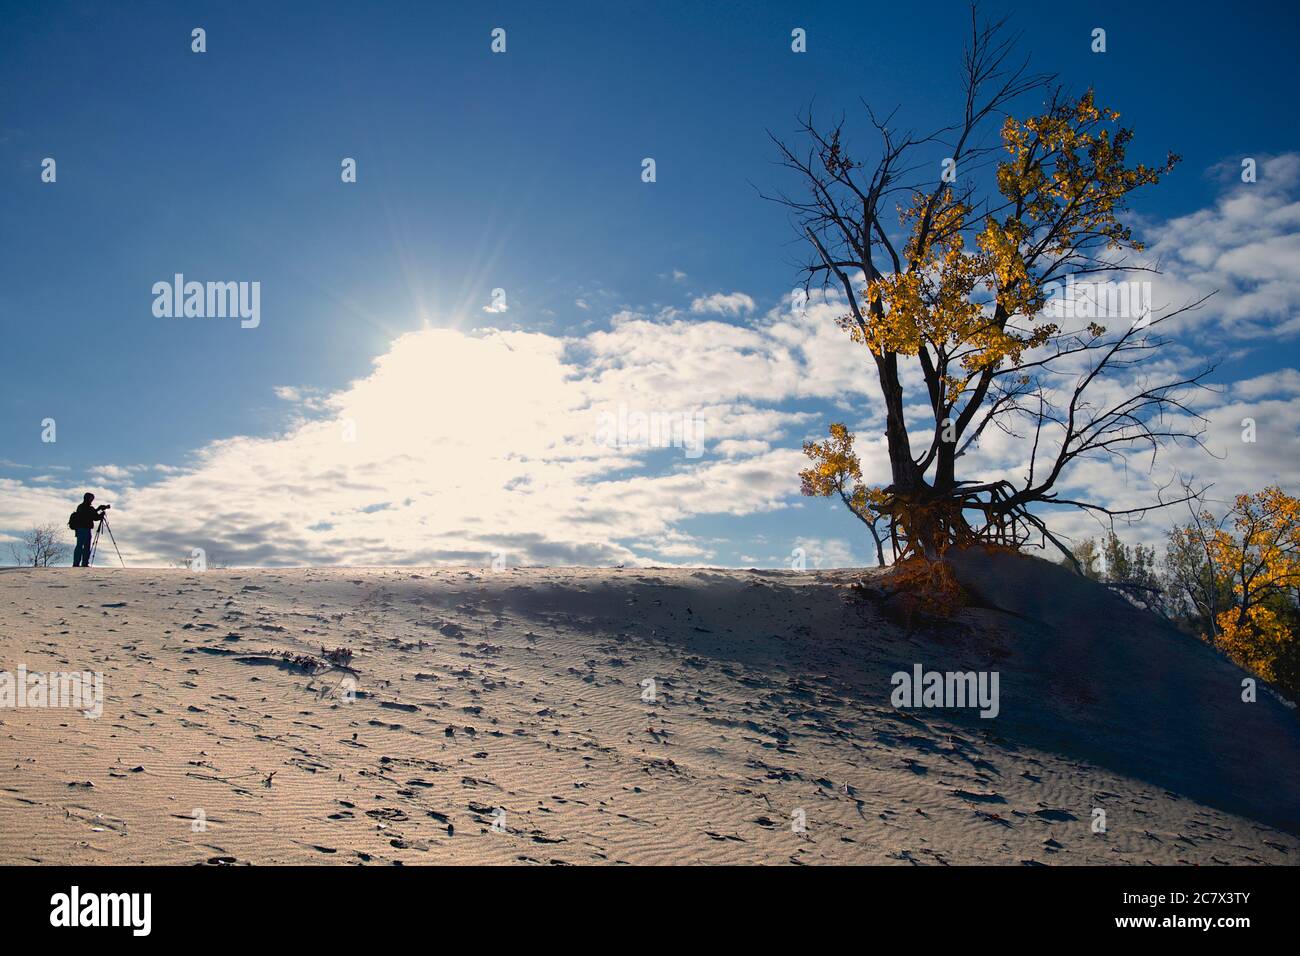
(723, 304)
(470, 443)
(731, 447)
(498, 305)
(1245, 248)
(823, 553)
(1284, 381)
(110, 473)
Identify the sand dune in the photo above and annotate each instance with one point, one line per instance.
(498, 717)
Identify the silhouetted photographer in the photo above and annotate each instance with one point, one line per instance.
(83, 522)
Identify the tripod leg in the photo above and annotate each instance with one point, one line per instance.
(94, 544)
(114, 540)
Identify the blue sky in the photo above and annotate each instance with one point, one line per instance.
(518, 171)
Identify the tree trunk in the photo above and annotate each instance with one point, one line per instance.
(904, 474)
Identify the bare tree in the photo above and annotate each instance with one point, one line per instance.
(40, 547)
(964, 293)
(209, 562)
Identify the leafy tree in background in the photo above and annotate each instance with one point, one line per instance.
(1134, 571)
(1194, 592)
(1241, 576)
(1087, 558)
(958, 299)
(1131, 571)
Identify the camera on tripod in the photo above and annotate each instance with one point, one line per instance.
(101, 524)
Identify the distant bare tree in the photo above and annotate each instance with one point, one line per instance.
(40, 547)
(210, 563)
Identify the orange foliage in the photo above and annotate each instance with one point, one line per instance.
(926, 588)
(1259, 563)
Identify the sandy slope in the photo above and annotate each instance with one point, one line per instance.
(521, 690)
